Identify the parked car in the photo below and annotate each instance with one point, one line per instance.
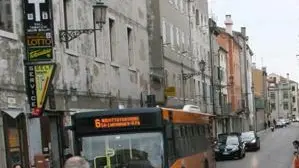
(252, 141)
(283, 121)
(288, 121)
(280, 124)
(229, 146)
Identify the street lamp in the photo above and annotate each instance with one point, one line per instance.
(202, 65)
(186, 76)
(99, 18)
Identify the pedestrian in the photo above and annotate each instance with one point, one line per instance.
(269, 123)
(76, 162)
(274, 122)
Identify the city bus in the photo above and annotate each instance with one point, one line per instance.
(144, 137)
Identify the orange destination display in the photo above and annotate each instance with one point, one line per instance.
(117, 122)
(100, 122)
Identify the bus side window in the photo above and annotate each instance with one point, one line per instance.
(171, 156)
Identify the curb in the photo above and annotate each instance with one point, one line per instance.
(262, 132)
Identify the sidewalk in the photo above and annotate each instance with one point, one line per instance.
(263, 132)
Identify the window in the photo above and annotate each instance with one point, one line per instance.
(183, 40)
(211, 94)
(182, 5)
(294, 99)
(197, 17)
(198, 85)
(293, 88)
(171, 35)
(294, 109)
(130, 46)
(176, 3)
(204, 87)
(285, 106)
(6, 18)
(273, 106)
(285, 95)
(187, 7)
(126, 147)
(164, 30)
(178, 36)
(272, 95)
(112, 37)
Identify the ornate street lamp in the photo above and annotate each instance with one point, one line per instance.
(99, 18)
(202, 65)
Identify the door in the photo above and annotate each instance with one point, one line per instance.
(15, 140)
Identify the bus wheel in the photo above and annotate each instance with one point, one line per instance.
(206, 164)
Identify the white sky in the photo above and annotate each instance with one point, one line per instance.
(272, 27)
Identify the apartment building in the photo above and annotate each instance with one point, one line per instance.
(283, 95)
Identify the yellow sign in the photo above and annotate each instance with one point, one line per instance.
(38, 78)
(40, 54)
(43, 74)
(170, 91)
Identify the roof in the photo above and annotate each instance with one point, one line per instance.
(222, 30)
(105, 112)
(116, 112)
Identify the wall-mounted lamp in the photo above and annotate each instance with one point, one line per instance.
(99, 18)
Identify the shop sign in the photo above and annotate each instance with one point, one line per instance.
(37, 14)
(38, 79)
(40, 54)
(41, 39)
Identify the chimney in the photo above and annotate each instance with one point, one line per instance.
(243, 31)
(229, 24)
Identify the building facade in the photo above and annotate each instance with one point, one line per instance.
(170, 50)
(234, 86)
(223, 124)
(179, 40)
(283, 95)
(246, 79)
(14, 119)
(260, 115)
(104, 69)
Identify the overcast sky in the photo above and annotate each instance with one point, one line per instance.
(272, 27)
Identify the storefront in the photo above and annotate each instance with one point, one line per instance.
(15, 142)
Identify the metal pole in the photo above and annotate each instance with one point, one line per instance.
(183, 82)
(212, 66)
(278, 102)
(95, 35)
(205, 92)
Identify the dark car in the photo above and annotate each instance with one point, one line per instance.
(252, 141)
(229, 146)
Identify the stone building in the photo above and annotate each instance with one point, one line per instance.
(283, 95)
(104, 69)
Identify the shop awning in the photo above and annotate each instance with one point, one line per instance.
(13, 112)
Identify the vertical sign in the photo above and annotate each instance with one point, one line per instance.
(38, 30)
(38, 79)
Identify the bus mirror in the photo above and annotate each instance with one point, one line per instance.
(169, 130)
(100, 162)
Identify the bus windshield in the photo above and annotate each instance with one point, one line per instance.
(124, 150)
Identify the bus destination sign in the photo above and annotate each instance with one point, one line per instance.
(117, 122)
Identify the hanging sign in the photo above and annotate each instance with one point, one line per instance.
(38, 79)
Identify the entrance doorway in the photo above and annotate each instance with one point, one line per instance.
(15, 140)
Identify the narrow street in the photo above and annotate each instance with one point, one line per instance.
(276, 151)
